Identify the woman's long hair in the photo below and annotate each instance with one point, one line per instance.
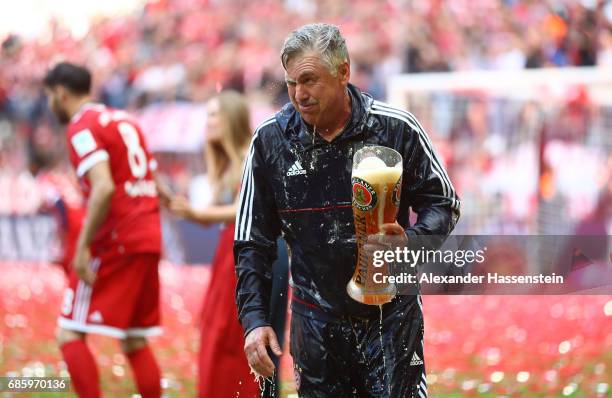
(224, 158)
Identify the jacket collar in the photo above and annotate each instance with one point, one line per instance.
(295, 128)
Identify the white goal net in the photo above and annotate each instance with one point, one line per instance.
(529, 151)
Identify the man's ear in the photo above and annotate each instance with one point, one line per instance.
(61, 93)
(344, 72)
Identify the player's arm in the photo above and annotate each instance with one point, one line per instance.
(163, 191)
(430, 191)
(102, 189)
(257, 228)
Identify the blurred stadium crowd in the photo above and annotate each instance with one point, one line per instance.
(179, 49)
(171, 51)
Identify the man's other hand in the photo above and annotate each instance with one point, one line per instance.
(255, 349)
(392, 235)
(396, 230)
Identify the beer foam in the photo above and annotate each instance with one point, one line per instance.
(371, 162)
(379, 175)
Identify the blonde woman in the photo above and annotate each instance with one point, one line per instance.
(223, 368)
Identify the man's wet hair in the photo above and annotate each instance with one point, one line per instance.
(322, 38)
(75, 78)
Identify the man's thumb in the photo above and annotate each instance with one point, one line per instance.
(392, 229)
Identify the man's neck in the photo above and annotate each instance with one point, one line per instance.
(75, 106)
(328, 133)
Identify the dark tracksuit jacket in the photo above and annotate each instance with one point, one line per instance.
(299, 185)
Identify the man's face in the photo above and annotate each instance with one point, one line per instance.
(55, 97)
(313, 90)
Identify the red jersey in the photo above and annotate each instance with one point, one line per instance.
(132, 225)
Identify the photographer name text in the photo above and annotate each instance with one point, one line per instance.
(490, 278)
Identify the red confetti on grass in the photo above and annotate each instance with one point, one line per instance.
(558, 340)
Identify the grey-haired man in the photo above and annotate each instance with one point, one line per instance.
(297, 181)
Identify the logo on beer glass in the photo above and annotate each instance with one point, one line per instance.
(376, 188)
(397, 193)
(364, 196)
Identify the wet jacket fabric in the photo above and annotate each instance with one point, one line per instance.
(299, 185)
(361, 357)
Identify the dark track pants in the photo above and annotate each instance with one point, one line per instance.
(343, 358)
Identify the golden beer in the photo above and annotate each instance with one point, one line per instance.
(376, 180)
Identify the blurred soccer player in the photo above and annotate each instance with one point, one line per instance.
(114, 285)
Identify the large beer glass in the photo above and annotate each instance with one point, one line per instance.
(377, 181)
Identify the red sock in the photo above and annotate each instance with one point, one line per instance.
(82, 368)
(146, 372)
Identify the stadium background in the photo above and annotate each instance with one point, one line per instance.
(516, 95)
